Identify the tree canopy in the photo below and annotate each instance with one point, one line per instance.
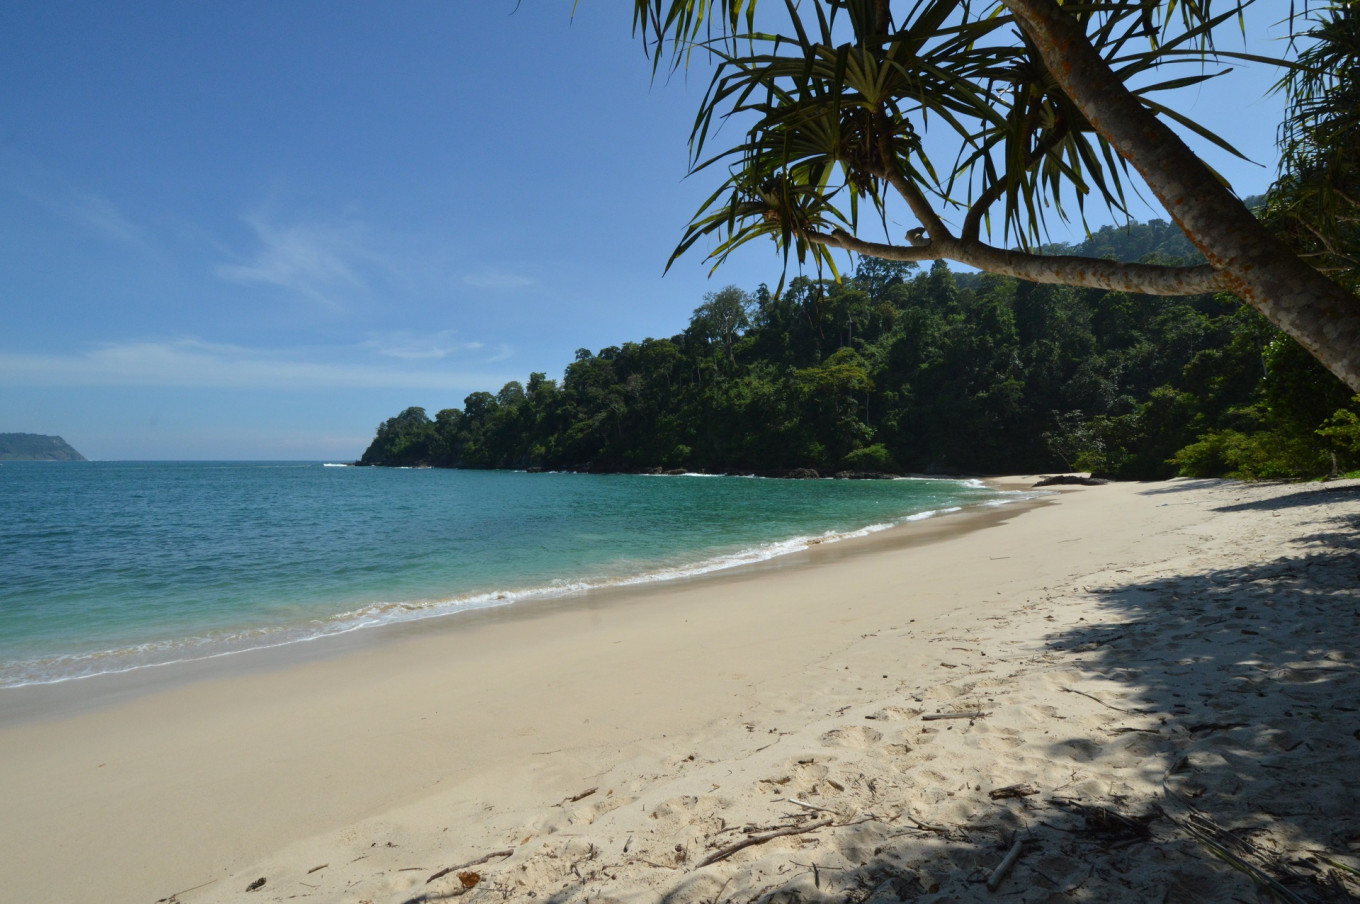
(1049, 104)
(898, 368)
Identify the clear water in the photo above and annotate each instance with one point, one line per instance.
(108, 566)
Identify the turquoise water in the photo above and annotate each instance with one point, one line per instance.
(109, 566)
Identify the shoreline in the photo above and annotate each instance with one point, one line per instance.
(67, 696)
(1108, 632)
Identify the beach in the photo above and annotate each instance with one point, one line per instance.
(1107, 684)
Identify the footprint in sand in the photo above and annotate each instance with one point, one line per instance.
(587, 814)
(949, 691)
(999, 743)
(857, 737)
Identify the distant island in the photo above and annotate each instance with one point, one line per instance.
(36, 447)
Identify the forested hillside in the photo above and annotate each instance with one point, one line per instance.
(903, 369)
(36, 447)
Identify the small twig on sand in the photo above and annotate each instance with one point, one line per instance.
(803, 803)
(175, 897)
(317, 868)
(935, 717)
(582, 796)
(1000, 872)
(1131, 712)
(760, 839)
(480, 860)
(927, 827)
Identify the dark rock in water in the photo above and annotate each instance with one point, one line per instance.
(675, 472)
(802, 474)
(863, 475)
(1071, 480)
(533, 469)
(36, 447)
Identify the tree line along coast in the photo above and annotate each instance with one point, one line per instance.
(908, 369)
(1132, 355)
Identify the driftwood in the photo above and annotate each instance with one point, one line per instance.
(480, 860)
(760, 839)
(935, 717)
(1012, 791)
(999, 874)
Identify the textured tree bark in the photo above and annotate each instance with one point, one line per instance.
(1321, 315)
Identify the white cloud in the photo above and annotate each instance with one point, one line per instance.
(409, 346)
(316, 260)
(191, 363)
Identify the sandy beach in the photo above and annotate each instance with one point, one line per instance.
(1130, 692)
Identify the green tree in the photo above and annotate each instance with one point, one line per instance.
(1044, 97)
(723, 317)
(1316, 201)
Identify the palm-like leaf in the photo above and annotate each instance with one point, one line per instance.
(833, 110)
(1317, 198)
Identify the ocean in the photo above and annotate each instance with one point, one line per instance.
(112, 566)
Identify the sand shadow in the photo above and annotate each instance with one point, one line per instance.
(1239, 688)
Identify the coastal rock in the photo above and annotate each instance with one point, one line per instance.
(863, 475)
(1071, 480)
(802, 474)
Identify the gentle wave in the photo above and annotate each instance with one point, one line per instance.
(72, 667)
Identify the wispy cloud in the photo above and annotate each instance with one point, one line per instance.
(194, 364)
(409, 346)
(498, 279)
(59, 196)
(104, 218)
(317, 260)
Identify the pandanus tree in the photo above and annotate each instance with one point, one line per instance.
(1047, 103)
(1316, 202)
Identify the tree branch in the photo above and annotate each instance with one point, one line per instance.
(1321, 315)
(934, 226)
(972, 223)
(1094, 273)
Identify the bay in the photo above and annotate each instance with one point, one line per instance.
(111, 566)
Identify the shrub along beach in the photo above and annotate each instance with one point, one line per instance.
(1142, 691)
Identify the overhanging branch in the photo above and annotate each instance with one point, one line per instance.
(1147, 279)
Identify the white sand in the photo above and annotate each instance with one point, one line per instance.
(1143, 654)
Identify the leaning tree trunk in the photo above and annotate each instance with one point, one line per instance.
(1321, 315)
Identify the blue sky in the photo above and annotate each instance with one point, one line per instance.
(249, 230)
